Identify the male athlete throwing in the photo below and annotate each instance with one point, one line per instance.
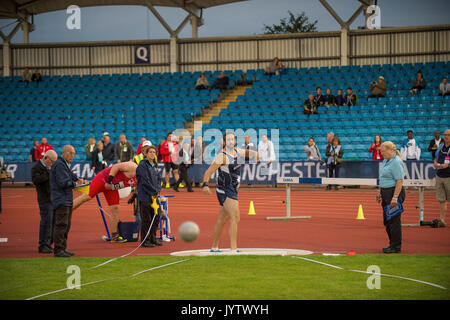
(228, 163)
(109, 181)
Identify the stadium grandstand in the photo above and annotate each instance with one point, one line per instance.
(89, 88)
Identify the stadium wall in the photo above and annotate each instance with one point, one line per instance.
(319, 49)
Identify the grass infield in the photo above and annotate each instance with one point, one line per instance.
(227, 278)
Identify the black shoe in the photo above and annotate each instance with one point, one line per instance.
(175, 187)
(148, 244)
(45, 250)
(190, 190)
(157, 242)
(61, 254)
(69, 253)
(392, 250)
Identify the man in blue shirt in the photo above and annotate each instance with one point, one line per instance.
(442, 163)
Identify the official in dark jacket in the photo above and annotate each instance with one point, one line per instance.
(40, 175)
(98, 161)
(62, 181)
(149, 186)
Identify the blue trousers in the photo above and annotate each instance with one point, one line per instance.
(46, 225)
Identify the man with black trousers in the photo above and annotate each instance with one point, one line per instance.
(149, 186)
(62, 181)
(185, 156)
(40, 175)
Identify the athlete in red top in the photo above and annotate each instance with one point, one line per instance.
(109, 181)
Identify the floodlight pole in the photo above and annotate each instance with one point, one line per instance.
(345, 27)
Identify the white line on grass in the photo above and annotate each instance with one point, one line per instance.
(398, 277)
(104, 280)
(378, 274)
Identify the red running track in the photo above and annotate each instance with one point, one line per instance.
(333, 227)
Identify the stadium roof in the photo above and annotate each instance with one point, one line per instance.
(17, 9)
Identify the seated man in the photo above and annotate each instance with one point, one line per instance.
(378, 88)
(273, 67)
(109, 181)
(319, 99)
(222, 82)
(310, 106)
(36, 77)
(350, 98)
(444, 87)
(419, 83)
(330, 100)
(26, 75)
(340, 98)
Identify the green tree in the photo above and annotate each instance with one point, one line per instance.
(292, 24)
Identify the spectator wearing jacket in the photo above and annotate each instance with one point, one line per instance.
(319, 99)
(444, 87)
(419, 83)
(62, 181)
(98, 162)
(350, 98)
(32, 154)
(139, 147)
(310, 105)
(334, 154)
(410, 150)
(312, 152)
(40, 176)
(89, 148)
(108, 149)
(202, 82)
(169, 152)
(378, 88)
(42, 149)
(340, 98)
(375, 148)
(148, 186)
(330, 100)
(185, 161)
(124, 149)
(435, 144)
(222, 82)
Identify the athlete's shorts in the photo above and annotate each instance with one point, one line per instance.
(223, 195)
(98, 185)
(170, 165)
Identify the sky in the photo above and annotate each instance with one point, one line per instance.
(237, 19)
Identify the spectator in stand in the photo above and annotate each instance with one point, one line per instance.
(435, 144)
(42, 149)
(89, 148)
(40, 175)
(274, 68)
(410, 149)
(334, 154)
(375, 148)
(442, 164)
(36, 76)
(222, 82)
(419, 83)
(350, 98)
(108, 149)
(281, 68)
(340, 98)
(330, 100)
(32, 155)
(444, 87)
(26, 75)
(378, 88)
(139, 148)
(202, 83)
(310, 106)
(98, 162)
(312, 152)
(330, 136)
(169, 151)
(319, 99)
(124, 149)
